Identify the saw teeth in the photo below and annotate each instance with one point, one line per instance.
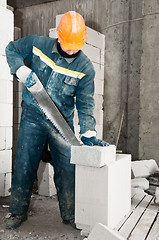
(55, 126)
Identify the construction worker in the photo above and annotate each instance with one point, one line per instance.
(67, 75)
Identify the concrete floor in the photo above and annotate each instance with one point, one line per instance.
(43, 222)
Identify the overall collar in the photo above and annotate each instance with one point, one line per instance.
(54, 50)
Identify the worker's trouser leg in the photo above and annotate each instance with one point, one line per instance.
(33, 133)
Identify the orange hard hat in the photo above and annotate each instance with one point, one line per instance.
(72, 31)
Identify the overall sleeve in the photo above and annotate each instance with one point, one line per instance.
(18, 51)
(85, 100)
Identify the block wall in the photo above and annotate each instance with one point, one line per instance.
(6, 101)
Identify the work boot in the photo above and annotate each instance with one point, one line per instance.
(15, 221)
(71, 222)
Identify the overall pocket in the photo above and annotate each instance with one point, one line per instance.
(69, 86)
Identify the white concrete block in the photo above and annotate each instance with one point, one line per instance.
(9, 133)
(94, 38)
(6, 111)
(98, 114)
(98, 98)
(157, 195)
(102, 232)
(7, 188)
(6, 91)
(93, 53)
(2, 138)
(103, 194)
(6, 17)
(4, 69)
(142, 183)
(95, 156)
(99, 86)
(3, 3)
(144, 168)
(99, 130)
(5, 184)
(99, 69)
(2, 185)
(135, 191)
(52, 33)
(5, 36)
(46, 186)
(5, 161)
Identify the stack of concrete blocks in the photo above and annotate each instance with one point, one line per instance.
(94, 49)
(103, 186)
(6, 101)
(141, 169)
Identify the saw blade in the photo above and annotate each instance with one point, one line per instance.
(51, 111)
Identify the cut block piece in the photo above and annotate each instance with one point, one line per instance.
(102, 232)
(142, 183)
(144, 168)
(95, 156)
(103, 194)
(46, 186)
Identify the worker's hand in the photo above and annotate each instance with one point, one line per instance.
(92, 141)
(23, 73)
(29, 78)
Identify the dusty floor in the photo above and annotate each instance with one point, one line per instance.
(43, 222)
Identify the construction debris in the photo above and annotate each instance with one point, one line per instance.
(141, 183)
(144, 168)
(102, 232)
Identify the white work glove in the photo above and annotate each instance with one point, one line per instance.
(29, 79)
(23, 73)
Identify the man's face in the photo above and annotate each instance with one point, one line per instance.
(68, 51)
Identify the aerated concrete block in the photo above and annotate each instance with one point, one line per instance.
(6, 37)
(103, 194)
(46, 186)
(2, 138)
(6, 111)
(142, 183)
(102, 232)
(95, 156)
(5, 184)
(4, 69)
(3, 3)
(5, 161)
(6, 91)
(144, 168)
(6, 19)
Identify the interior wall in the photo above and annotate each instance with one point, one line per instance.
(122, 23)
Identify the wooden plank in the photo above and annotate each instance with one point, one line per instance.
(136, 200)
(154, 232)
(130, 224)
(142, 228)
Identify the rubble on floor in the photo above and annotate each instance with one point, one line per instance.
(43, 222)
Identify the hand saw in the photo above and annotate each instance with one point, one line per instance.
(49, 108)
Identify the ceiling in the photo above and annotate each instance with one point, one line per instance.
(23, 3)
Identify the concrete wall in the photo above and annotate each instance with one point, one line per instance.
(6, 101)
(125, 24)
(149, 84)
